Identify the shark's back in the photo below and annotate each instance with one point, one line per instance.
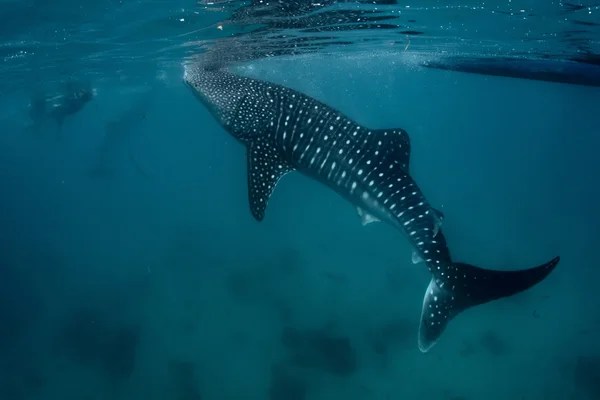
(306, 131)
(285, 130)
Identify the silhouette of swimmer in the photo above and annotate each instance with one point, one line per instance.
(73, 98)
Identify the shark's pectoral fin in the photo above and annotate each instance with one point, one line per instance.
(416, 258)
(265, 168)
(438, 217)
(365, 217)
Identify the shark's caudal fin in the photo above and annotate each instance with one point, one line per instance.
(468, 286)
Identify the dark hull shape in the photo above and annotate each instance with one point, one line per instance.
(571, 72)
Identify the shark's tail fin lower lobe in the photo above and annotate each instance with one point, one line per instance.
(469, 286)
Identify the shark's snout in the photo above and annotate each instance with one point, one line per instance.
(185, 74)
(188, 75)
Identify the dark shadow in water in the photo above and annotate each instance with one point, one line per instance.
(587, 376)
(181, 374)
(286, 386)
(489, 341)
(262, 282)
(450, 396)
(468, 348)
(29, 269)
(391, 334)
(21, 380)
(318, 349)
(109, 346)
(267, 285)
(117, 151)
(495, 344)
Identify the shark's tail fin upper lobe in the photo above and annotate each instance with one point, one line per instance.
(467, 286)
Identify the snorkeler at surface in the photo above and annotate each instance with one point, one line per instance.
(73, 98)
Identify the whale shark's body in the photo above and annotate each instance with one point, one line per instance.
(285, 130)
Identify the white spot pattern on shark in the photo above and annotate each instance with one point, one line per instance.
(285, 130)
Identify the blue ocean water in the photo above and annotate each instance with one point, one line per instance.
(131, 267)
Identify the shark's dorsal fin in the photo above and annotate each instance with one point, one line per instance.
(438, 217)
(396, 144)
(265, 168)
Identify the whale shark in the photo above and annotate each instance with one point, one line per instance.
(285, 130)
